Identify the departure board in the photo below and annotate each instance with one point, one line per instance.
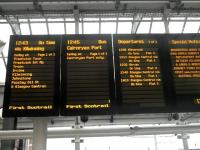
(87, 74)
(32, 82)
(185, 59)
(138, 73)
(77, 75)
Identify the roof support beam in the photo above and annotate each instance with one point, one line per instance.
(136, 23)
(12, 21)
(2, 44)
(47, 25)
(150, 27)
(29, 26)
(102, 132)
(14, 24)
(183, 29)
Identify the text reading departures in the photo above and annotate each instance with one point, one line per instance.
(138, 73)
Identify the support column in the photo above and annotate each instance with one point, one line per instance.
(156, 142)
(165, 18)
(21, 145)
(8, 124)
(12, 21)
(2, 44)
(99, 24)
(76, 16)
(150, 28)
(184, 138)
(77, 140)
(136, 23)
(14, 24)
(39, 133)
(77, 143)
(183, 29)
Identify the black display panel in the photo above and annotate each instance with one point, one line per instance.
(140, 62)
(185, 59)
(149, 74)
(87, 75)
(32, 81)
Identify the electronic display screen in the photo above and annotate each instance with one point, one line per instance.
(32, 81)
(87, 75)
(185, 60)
(80, 75)
(139, 73)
